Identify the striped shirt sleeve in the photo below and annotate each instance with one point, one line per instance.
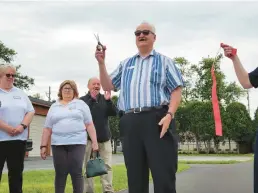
(116, 77)
(174, 78)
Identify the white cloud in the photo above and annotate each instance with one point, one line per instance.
(55, 40)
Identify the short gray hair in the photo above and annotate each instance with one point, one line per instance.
(153, 29)
(4, 67)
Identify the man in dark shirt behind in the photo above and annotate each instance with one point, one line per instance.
(247, 80)
(101, 107)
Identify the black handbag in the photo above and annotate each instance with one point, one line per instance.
(95, 166)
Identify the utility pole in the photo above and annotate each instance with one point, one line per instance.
(49, 94)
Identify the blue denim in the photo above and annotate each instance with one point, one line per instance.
(256, 164)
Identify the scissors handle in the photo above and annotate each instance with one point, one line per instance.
(99, 46)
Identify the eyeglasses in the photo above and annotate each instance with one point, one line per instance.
(10, 75)
(67, 89)
(144, 32)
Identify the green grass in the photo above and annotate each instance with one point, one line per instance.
(210, 162)
(42, 181)
(219, 154)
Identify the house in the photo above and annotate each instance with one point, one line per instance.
(35, 128)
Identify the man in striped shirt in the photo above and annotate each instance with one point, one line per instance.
(150, 87)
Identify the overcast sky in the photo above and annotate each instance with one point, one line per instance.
(55, 41)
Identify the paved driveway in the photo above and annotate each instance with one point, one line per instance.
(233, 178)
(36, 163)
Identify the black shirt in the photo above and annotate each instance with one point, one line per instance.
(253, 77)
(100, 109)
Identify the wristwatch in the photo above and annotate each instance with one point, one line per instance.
(24, 126)
(171, 114)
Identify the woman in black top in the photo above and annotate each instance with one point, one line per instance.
(247, 80)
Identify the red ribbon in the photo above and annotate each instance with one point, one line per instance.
(215, 104)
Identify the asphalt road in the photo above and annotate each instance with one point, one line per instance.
(36, 163)
(229, 178)
(232, 178)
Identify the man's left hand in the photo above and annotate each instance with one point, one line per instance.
(165, 122)
(107, 95)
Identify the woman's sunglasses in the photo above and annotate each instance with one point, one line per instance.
(10, 75)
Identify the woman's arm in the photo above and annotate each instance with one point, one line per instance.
(5, 127)
(28, 118)
(44, 142)
(45, 136)
(92, 132)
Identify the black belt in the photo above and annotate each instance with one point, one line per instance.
(144, 109)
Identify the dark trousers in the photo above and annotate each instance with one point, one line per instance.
(256, 164)
(13, 152)
(68, 159)
(144, 149)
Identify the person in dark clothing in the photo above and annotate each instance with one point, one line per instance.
(247, 80)
(101, 108)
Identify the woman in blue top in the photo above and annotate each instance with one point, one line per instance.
(16, 113)
(66, 122)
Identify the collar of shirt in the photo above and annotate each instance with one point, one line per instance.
(57, 103)
(152, 53)
(12, 89)
(97, 97)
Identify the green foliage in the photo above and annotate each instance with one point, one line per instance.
(6, 56)
(227, 92)
(185, 68)
(194, 117)
(23, 81)
(114, 122)
(256, 119)
(239, 124)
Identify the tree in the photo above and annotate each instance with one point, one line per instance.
(198, 121)
(114, 126)
(6, 56)
(239, 124)
(255, 125)
(182, 126)
(185, 68)
(256, 118)
(227, 92)
(37, 96)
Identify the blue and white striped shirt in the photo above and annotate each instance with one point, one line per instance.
(146, 82)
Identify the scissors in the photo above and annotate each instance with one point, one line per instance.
(99, 46)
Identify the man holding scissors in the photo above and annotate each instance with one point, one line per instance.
(150, 87)
(247, 80)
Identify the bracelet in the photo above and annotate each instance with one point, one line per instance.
(171, 114)
(42, 146)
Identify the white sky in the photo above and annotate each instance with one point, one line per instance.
(55, 41)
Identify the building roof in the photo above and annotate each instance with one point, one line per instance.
(40, 102)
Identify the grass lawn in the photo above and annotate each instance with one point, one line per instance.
(218, 154)
(211, 162)
(42, 181)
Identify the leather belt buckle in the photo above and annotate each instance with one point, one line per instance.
(135, 110)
